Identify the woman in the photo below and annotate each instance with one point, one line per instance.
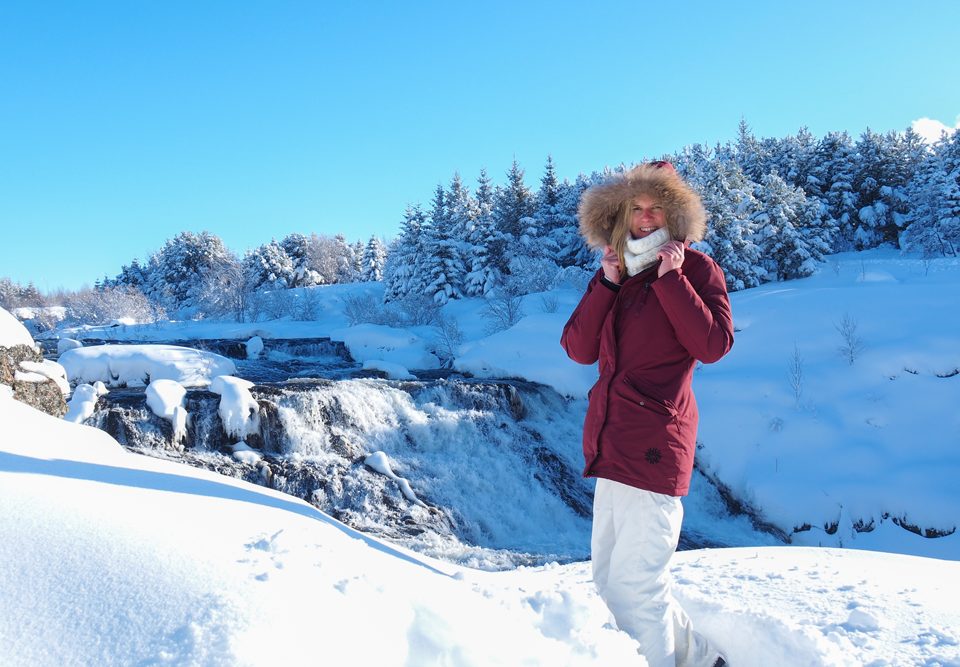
(654, 309)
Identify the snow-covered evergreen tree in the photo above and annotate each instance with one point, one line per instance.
(570, 248)
(513, 203)
(541, 237)
(268, 268)
(441, 264)
(728, 196)
(374, 258)
(788, 230)
(297, 247)
(486, 244)
(179, 270)
(401, 273)
(751, 154)
(834, 171)
(134, 275)
(933, 223)
(346, 260)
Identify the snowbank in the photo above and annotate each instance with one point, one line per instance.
(370, 342)
(119, 559)
(12, 332)
(138, 365)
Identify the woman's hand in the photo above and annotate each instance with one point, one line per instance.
(611, 265)
(671, 257)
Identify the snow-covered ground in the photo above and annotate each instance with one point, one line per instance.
(111, 558)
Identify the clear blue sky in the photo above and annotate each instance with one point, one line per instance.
(124, 123)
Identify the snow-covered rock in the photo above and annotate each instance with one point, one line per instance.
(83, 403)
(165, 398)
(254, 347)
(239, 410)
(138, 365)
(65, 344)
(33, 380)
(392, 371)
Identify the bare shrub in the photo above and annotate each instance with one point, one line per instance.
(795, 373)
(416, 310)
(852, 343)
(308, 305)
(449, 337)
(548, 303)
(504, 308)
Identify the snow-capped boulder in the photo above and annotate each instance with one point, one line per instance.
(33, 380)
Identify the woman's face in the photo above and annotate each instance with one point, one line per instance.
(647, 216)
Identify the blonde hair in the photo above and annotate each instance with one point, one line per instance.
(620, 234)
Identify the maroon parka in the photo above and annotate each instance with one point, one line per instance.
(641, 423)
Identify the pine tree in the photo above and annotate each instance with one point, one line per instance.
(374, 258)
(401, 276)
(268, 268)
(788, 230)
(933, 223)
(512, 204)
(486, 245)
(834, 173)
(297, 247)
(545, 237)
(179, 270)
(728, 196)
(570, 248)
(750, 154)
(346, 260)
(441, 263)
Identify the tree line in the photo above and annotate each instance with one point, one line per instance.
(776, 207)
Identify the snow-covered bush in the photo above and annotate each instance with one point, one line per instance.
(504, 308)
(90, 306)
(362, 308)
(529, 275)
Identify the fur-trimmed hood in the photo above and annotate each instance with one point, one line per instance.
(600, 204)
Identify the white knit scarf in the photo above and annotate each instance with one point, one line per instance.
(641, 254)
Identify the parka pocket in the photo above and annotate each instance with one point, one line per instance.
(644, 400)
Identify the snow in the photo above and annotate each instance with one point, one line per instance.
(83, 403)
(380, 462)
(244, 453)
(239, 410)
(254, 347)
(529, 350)
(65, 344)
(12, 332)
(165, 398)
(377, 342)
(46, 370)
(112, 558)
(392, 371)
(137, 365)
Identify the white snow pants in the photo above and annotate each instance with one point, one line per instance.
(635, 532)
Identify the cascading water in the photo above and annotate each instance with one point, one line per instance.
(495, 464)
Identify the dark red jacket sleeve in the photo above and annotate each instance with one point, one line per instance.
(699, 309)
(581, 335)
